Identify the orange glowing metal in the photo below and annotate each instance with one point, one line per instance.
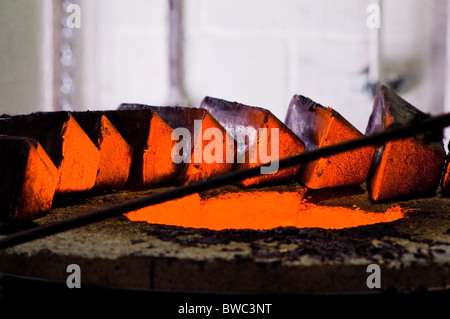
(184, 211)
(406, 167)
(157, 165)
(307, 216)
(319, 126)
(70, 149)
(149, 137)
(202, 170)
(409, 166)
(245, 122)
(80, 158)
(115, 153)
(288, 145)
(29, 180)
(196, 168)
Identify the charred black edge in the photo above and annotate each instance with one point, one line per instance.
(90, 122)
(134, 126)
(444, 171)
(305, 106)
(164, 112)
(227, 105)
(209, 102)
(376, 124)
(132, 106)
(311, 105)
(430, 124)
(34, 126)
(21, 148)
(387, 101)
(136, 114)
(306, 101)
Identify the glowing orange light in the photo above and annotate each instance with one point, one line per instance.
(258, 210)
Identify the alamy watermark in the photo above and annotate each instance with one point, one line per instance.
(374, 19)
(73, 20)
(213, 151)
(74, 279)
(374, 279)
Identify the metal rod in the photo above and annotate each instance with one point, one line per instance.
(430, 125)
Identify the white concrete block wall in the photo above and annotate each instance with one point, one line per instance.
(25, 56)
(407, 47)
(258, 52)
(248, 70)
(131, 52)
(263, 52)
